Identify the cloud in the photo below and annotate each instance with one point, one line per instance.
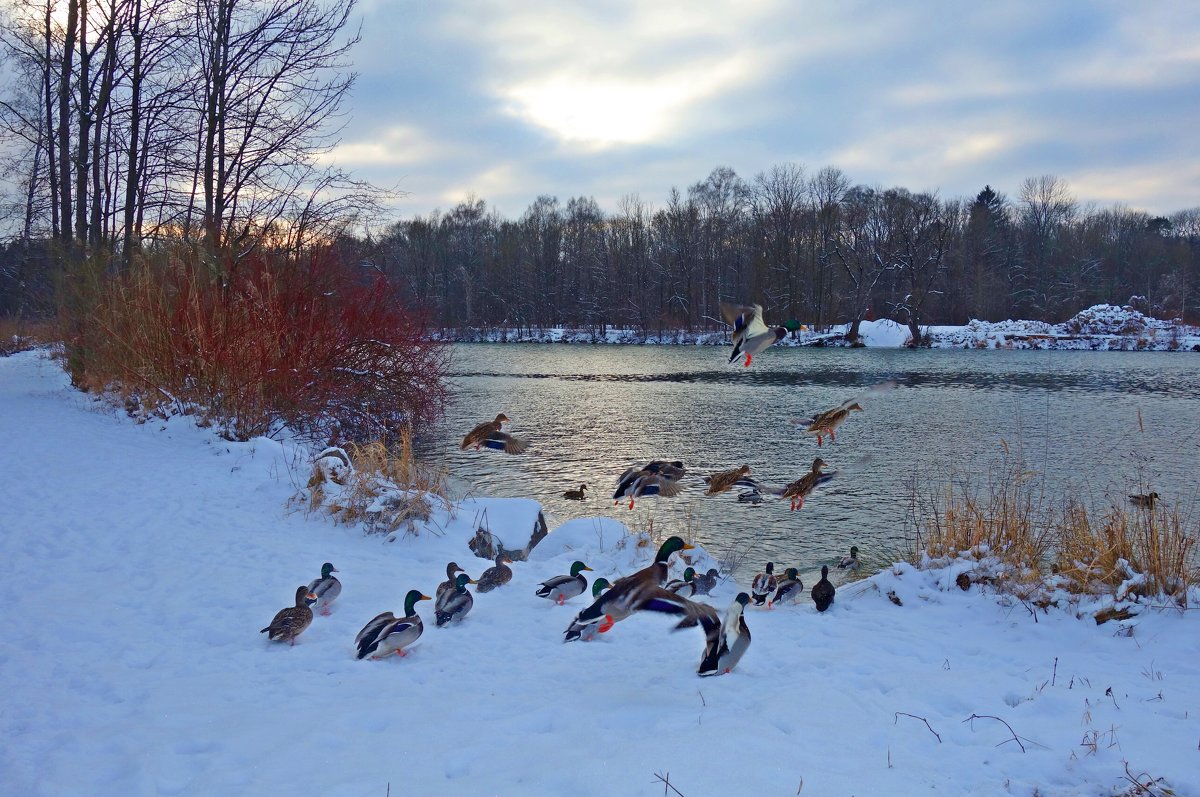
(511, 101)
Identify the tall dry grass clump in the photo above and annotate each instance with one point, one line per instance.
(1123, 550)
(257, 345)
(1008, 517)
(381, 487)
(1029, 545)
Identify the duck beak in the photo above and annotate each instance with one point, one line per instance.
(585, 567)
(472, 581)
(310, 597)
(687, 547)
(424, 598)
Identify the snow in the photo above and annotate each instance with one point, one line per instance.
(141, 560)
(1102, 327)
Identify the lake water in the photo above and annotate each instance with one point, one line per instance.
(590, 412)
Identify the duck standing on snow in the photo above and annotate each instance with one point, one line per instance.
(562, 588)
(825, 424)
(850, 562)
(454, 603)
(290, 623)
(800, 489)
(764, 584)
(823, 591)
(726, 480)
(326, 588)
(630, 594)
(388, 634)
(496, 576)
(451, 569)
(576, 495)
(735, 636)
(751, 335)
(705, 583)
(588, 633)
(488, 435)
(790, 588)
(685, 586)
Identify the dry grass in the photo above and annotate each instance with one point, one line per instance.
(383, 488)
(1126, 551)
(19, 334)
(1119, 551)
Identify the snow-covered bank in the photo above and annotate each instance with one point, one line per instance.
(1100, 328)
(142, 560)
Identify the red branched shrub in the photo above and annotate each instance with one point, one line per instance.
(316, 346)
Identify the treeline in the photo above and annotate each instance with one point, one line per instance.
(814, 248)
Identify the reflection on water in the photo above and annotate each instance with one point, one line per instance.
(593, 411)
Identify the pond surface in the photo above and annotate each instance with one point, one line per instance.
(1102, 424)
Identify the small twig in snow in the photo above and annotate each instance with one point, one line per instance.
(1006, 725)
(1054, 674)
(922, 719)
(666, 781)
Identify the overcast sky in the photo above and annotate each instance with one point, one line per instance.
(511, 99)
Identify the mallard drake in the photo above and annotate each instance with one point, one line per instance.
(629, 593)
(823, 591)
(825, 424)
(685, 586)
(561, 588)
(451, 569)
(750, 497)
(588, 632)
(576, 495)
(790, 588)
(290, 623)
(850, 562)
(326, 588)
(488, 435)
(707, 582)
(764, 584)
(388, 634)
(628, 481)
(751, 335)
(735, 636)
(726, 480)
(496, 576)
(800, 489)
(454, 603)
(1147, 501)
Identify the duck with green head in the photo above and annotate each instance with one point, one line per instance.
(641, 590)
(326, 588)
(685, 586)
(790, 588)
(388, 634)
(850, 562)
(735, 636)
(454, 603)
(588, 633)
(562, 588)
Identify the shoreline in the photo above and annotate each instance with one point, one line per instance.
(1098, 328)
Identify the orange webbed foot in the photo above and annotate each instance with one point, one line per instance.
(606, 624)
(748, 358)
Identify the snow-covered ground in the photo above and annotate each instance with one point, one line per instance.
(141, 561)
(1103, 327)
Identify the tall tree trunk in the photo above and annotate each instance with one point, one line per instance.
(48, 100)
(85, 129)
(64, 117)
(214, 133)
(100, 187)
(135, 121)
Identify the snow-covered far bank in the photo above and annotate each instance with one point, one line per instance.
(141, 562)
(1103, 327)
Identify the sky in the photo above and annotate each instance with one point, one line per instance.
(508, 101)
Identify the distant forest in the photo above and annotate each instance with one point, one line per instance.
(812, 248)
(133, 130)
